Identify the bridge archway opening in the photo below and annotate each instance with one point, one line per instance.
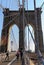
(29, 43)
(13, 38)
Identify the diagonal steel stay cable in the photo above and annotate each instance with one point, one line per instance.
(38, 51)
(6, 36)
(23, 32)
(23, 2)
(19, 3)
(2, 7)
(30, 32)
(27, 25)
(10, 22)
(42, 5)
(37, 42)
(26, 58)
(11, 15)
(28, 21)
(14, 37)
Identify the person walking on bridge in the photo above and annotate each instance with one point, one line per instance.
(17, 54)
(7, 55)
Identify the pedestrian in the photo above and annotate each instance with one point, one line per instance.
(17, 54)
(21, 53)
(23, 61)
(7, 55)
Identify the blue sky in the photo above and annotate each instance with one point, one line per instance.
(13, 5)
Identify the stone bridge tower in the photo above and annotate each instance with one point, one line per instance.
(18, 20)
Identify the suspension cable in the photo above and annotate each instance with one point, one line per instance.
(10, 4)
(36, 24)
(23, 2)
(1, 2)
(11, 15)
(19, 3)
(10, 22)
(14, 37)
(6, 37)
(39, 53)
(28, 20)
(6, 3)
(42, 5)
(23, 22)
(2, 7)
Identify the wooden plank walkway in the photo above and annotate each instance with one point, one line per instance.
(18, 62)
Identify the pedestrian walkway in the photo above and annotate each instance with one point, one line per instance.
(12, 61)
(17, 62)
(2, 58)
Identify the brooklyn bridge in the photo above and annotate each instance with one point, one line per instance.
(28, 30)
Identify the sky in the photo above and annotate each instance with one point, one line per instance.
(13, 5)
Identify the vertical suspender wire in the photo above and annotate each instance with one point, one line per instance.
(1, 3)
(23, 1)
(38, 51)
(23, 19)
(37, 45)
(10, 4)
(1, 41)
(6, 3)
(27, 20)
(14, 36)
(28, 24)
(6, 38)
(28, 28)
(19, 3)
(23, 60)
